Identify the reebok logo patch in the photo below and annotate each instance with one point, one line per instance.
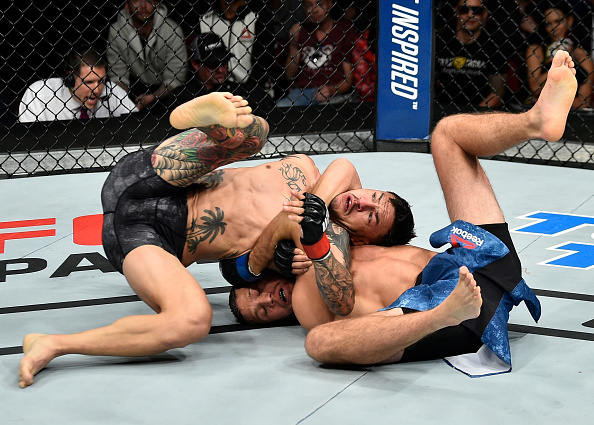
(464, 239)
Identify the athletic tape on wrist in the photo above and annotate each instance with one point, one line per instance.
(244, 270)
(319, 250)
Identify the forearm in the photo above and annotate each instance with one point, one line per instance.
(333, 276)
(347, 84)
(292, 65)
(280, 228)
(339, 177)
(495, 98)
(582, 99)
(163, 91)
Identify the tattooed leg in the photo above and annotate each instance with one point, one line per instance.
(183, 159)
(214, 108)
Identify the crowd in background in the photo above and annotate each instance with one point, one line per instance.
(151, 55)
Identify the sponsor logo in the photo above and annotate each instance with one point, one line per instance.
(465, 239)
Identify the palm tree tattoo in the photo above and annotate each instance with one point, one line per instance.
(212, 225)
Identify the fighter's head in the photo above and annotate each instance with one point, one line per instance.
(373, 217)
(267, 300)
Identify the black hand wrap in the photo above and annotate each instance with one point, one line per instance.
(237, 271)
(283, 257)
(315, 220)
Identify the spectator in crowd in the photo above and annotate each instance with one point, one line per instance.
(470, 68)
(209, 62)
(528, 17)
(82, 92)
(235, 24)
(319, 59)
(147, 53)
(556, 35)
(274, 23)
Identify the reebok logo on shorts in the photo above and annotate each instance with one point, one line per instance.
(464, 239)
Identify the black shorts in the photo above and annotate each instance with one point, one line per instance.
(494, 279)
(140, 208)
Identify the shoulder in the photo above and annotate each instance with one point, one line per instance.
(298, 158)
(120, 21)
(301, 160)
(115, 89)
(51, 87)
(36, 86)
(211, 15)
(308, 306)
(413, 254)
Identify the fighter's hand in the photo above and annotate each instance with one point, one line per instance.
(295, 206)
(290, 260)
(315, 219)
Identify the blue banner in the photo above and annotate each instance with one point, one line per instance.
(404, 69)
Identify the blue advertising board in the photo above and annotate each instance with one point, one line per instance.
(404, 69)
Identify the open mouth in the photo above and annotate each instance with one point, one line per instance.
(282, 295)
(350, 203)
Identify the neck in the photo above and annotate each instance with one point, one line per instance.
(230, 11)
(466, 36)
(144, 29)
(326, 25)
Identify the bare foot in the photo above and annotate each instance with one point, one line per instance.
(38, 354)
(215, 108)
(555, 100)
(465, 301)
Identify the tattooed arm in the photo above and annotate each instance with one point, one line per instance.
(327, 290)
(333, 276)
(184, 158)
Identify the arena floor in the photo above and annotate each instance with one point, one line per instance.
(50, 282)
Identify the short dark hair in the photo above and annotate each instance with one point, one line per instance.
(403, 228)
(561, 5)
(233, 306)
(84, 55)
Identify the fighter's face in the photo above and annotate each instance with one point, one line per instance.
(266, 301)
(367, 214)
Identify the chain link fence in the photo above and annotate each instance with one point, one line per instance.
(493, 55)
(307, 66)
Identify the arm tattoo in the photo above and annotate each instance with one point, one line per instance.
(212, 225)
(333, 275)
(335, 284)
(340, 238)
(184, 158)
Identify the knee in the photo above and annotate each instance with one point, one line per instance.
(441, 129)
(257, 132)
(315, 347)
(185, 329)
(445, 132)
